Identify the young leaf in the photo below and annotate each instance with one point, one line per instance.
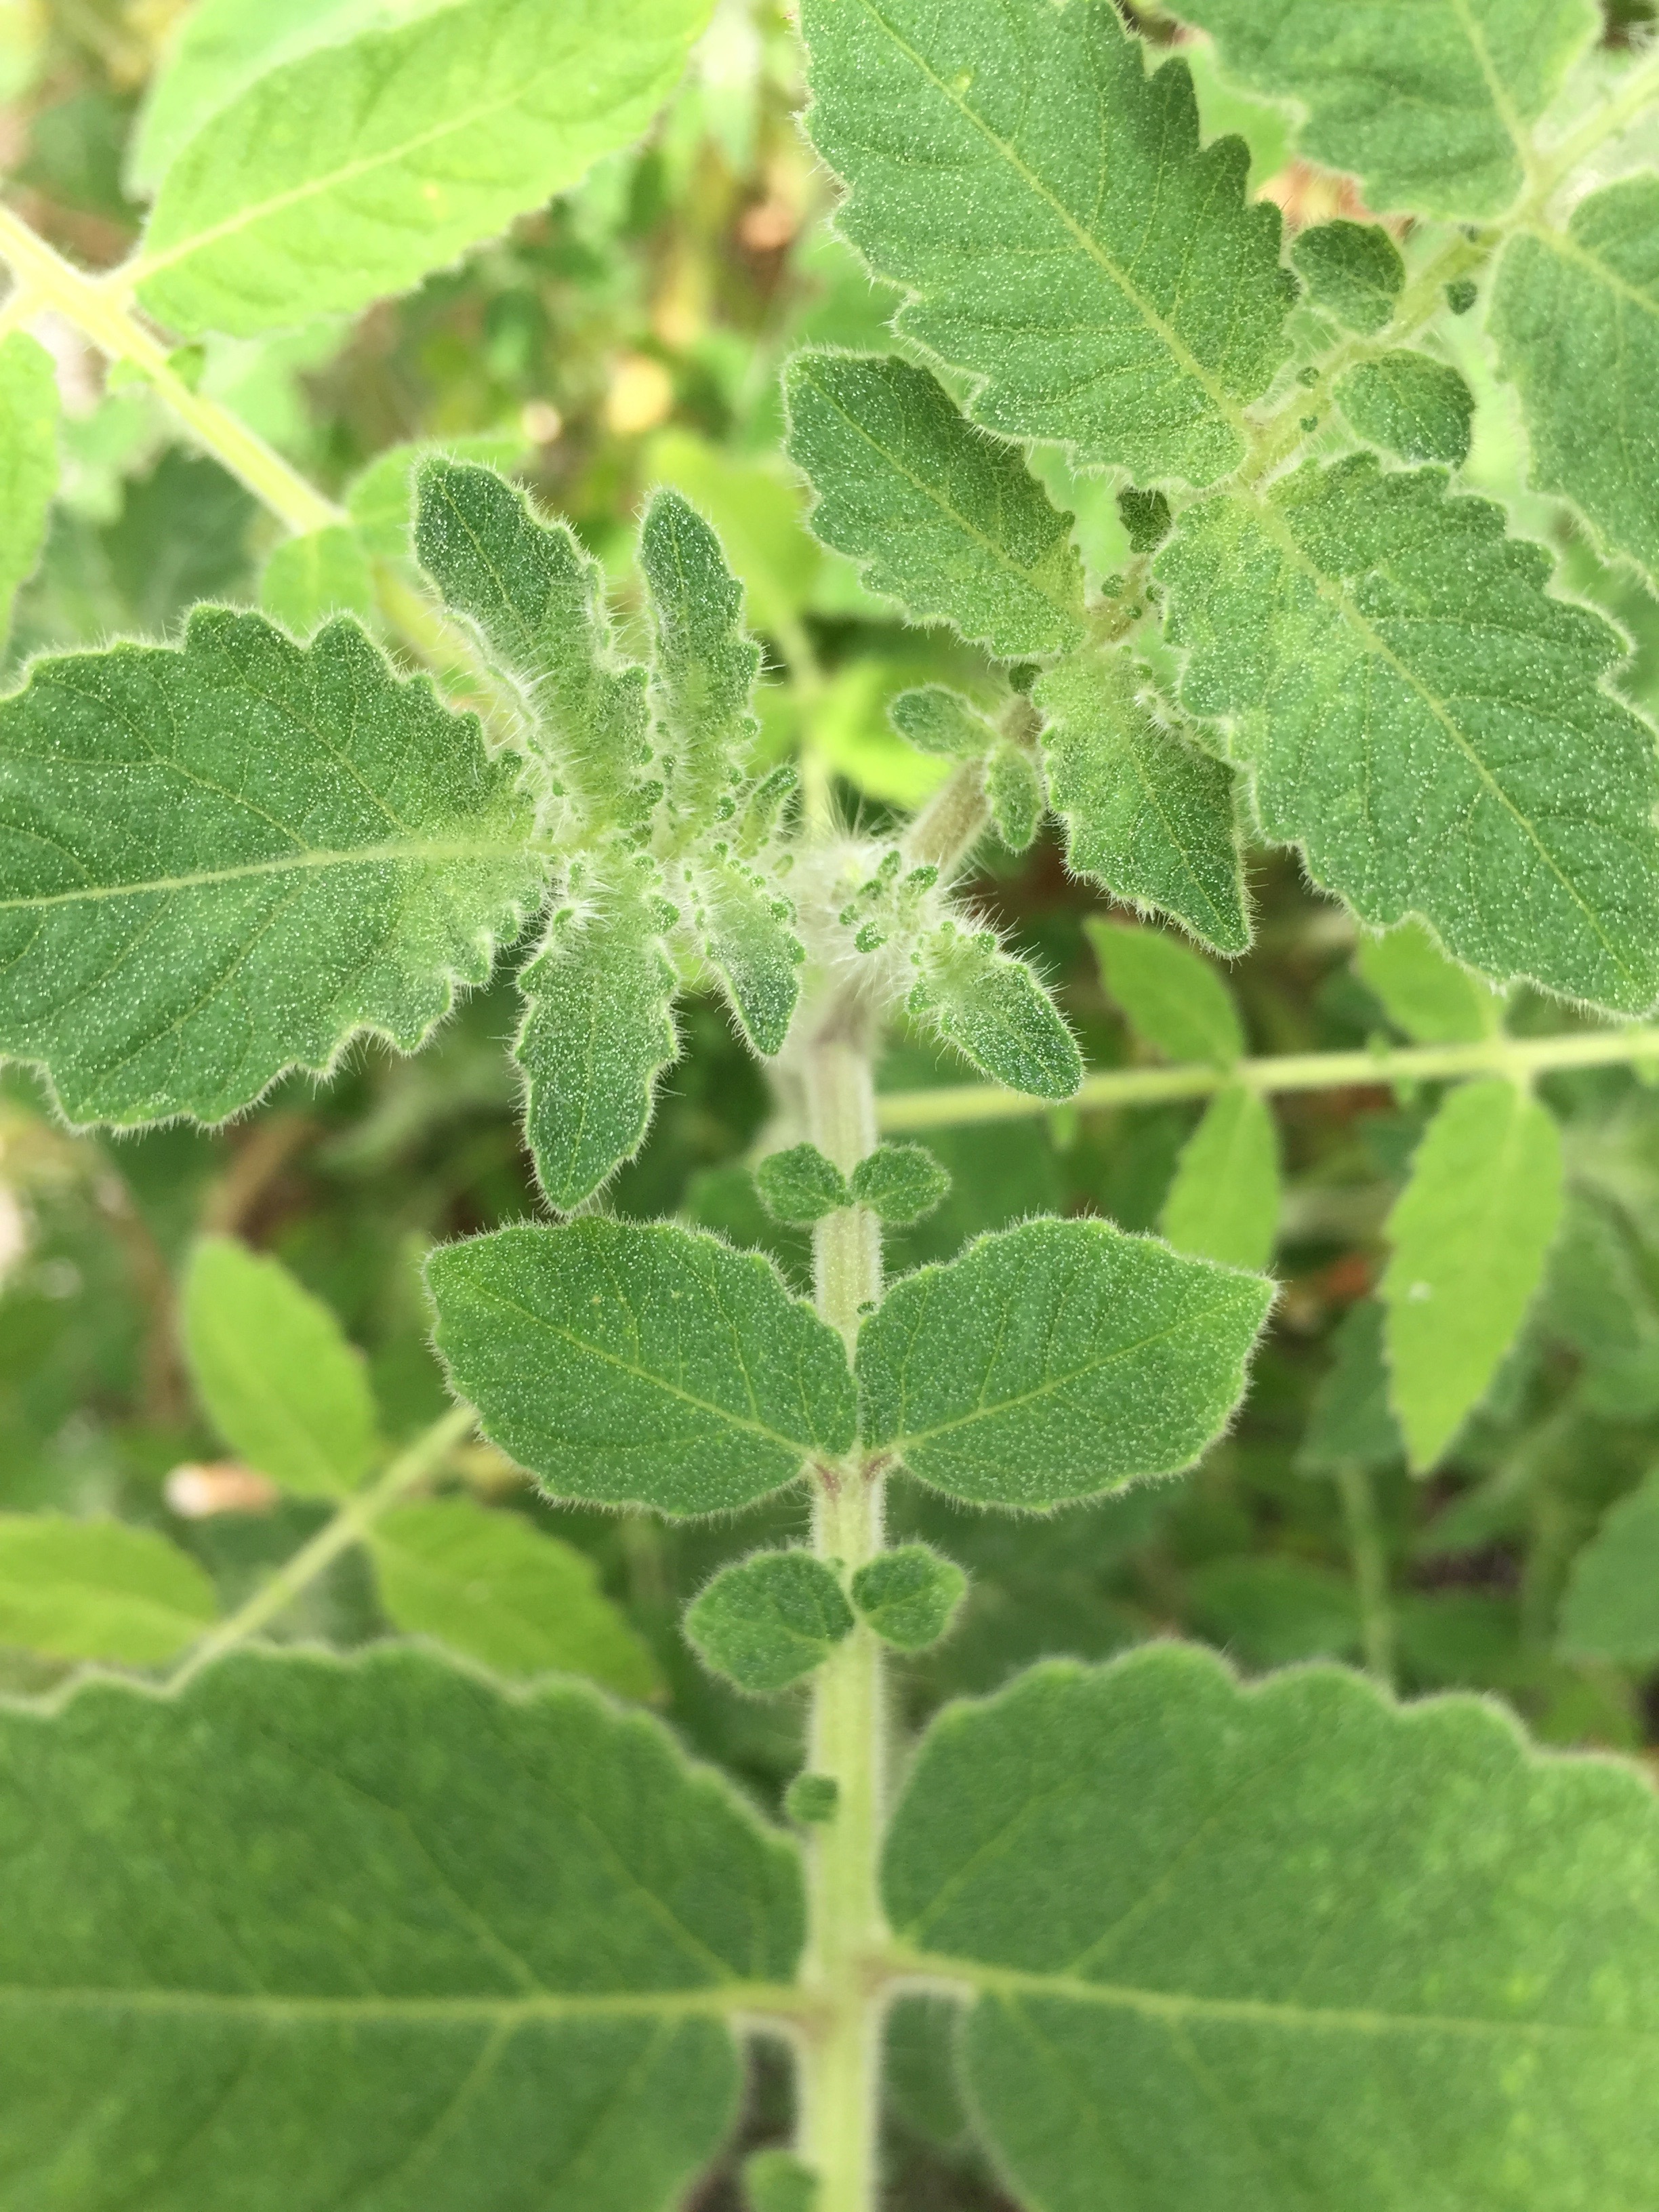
(801, 1186)
(1145, 517)
(748, 934)
(909, 1596)
(98, 1590)
(228, 857)
(1428, 102)
(1055, 1360)
(271, 1365)
(1169, 994)
(900, 1183)
(1469, 1232)
(1014, 793)
(993, 1009)
(1353, 270)
(1417, 408)
(1405, 692)
(770, 1620)
(952, 527)
(936, 719)
(1429, 997)
(381, 500)
(371, 1928)
(1575, 315)
(351, 172)
(1064, 240)
(1224, 1202)
(625, 1364)
(28, 461)
(1611, 1608)
(493, 1585)
(1149, 817)
(705, 664)
(321, 573)
(1258, 1927)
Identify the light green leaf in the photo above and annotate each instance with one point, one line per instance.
(770, 1620)
(777, 2181)
(1147, 815)
(992, 1008)
(322, 573)
(1429, 997)
(1349, 1417)
(381, 500)
(628, 1364)
(352, 172)
(1417, 408)
(28, 461)
(372, 1929)
(493, 1585)
(1575, 315)
(1064, 240)
(748, 933)
(1469, 1231)
(1171, 995)
(801, 1186)
(936, 719)
(1611, 1607)
(272, 1367)
(900, 1183)
(1055, 1360)
(1353, 270)
(1224, 1202)
(936, 516)
(1014, 793)
(225, 859)
(1429, 101)
(1426, 722)
(760, 519)
(909, 1596)
(704, 664)
(98, 1590)
(1286, 1946)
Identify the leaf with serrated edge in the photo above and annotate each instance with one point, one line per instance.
(1222, 1939)
(372, 1929)
(1610, 1609)
(352, 172)
(990, 1005)
(1429, 997)
(747, 934)
(1064, 240)
(28, 461)
(1055, 1360)
(1224, 1202)
(704, 664)
(938, 517)
(1426, 722)
(1171, 995)
(226, 859)
(98, 1590)
(626, 1364)
(1470, 1232)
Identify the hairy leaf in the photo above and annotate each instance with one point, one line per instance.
(1611, 1607)
(1224, 1202)
(1426, 722)
(628, 1364)
(910, 1596)
(98, 1590)
(1417, 408)
(1014, 793)
(705, 665)
(352, 171)
(371, 1931)
(1055, 1360)
(28, 461)
(936, 719)
(770, 1620)
(225, 859)
(1352, 270)
(801, 1186)
(1171, 995)
(951, 525)
(1224, 1940)
(1063, 239)
(381, 500)
(900, 1183)
(1429, 997)
(993, 1009)
(748, 933)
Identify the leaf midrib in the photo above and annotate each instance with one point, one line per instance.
(709, 1999)
(424, 852)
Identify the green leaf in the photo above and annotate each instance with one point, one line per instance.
(776, 2181)
(909, 1596)
(625, 1364)
(1014, 793)
(1353, 270)
(1224, 1202)
(322, 573)
(1575, 316)
(770, 1620)
(992, 1008)
(1611, 1607)
(381, 500)
(1470, 1232)
(1145, 517)
(1417, 408)
(372, 1929)
(748, 933)
(1270, 1611)
(936, 719)
(1148, 815)
(352, 172)
(801, 1186)
(811, 1799)
(1349, 1417)
(493, 1585)
(28, 461)
(900, 1183)
(271, 1365)
(598, 1031)
(760, 518)
(226, 859)
(1064, 240)
(1055, 1360)
(98, 1590)
(1171, 995)
(952, 527)
(1429, 997)
(705, 664)
(1426, 722)
(1429, 101)
(1284, 1947)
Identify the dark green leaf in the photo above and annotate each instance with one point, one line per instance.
(909, 1596)
(800, 1185)
(993, 1009)
(1417, 408)
(1352, 269)
(770, 1620)
(901, 1183)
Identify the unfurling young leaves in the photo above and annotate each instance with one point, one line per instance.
(1417, 408)
(748, 933)
(704, 664)
(900, 1183)
(1170, 995)
(770, 1620)
(801, 1186)
(909, 1596)
(992, 1008)
(28, 461)
(1224, 1202)
(98, 1590)
(1352, 269)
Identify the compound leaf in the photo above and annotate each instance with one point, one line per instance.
(1611, 1607)
(28, 461)
(1171, 995)
(626, 1364)
(1055, 1360)
(373, 1930)
(1470, 1232)
(1224, 1202)
(1427, 723)
(226, 857)
(98, 1590)
(1429, 997)
(1417, 408)
(770, 1620)
(938, 517)
(1285, 1946)
(1065, 241)
(351, 172)
(1354, 270)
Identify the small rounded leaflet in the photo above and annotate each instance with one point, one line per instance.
(900, 1183)
(1353, 270)
(768, 1621)
(909, 1596)
(801, 1186)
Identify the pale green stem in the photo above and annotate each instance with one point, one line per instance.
(1370, 1567)
(355, 1517)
